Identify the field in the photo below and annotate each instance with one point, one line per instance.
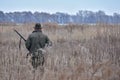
(79, 52)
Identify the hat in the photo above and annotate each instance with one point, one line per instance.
(37, 26)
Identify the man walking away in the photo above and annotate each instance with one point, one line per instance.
(35, 42)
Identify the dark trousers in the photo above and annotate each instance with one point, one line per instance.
(37, 59)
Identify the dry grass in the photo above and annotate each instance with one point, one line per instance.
(79, 52)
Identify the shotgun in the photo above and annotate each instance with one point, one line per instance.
(20, 41)
(20, 35)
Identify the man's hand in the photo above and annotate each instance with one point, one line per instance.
(28, 54)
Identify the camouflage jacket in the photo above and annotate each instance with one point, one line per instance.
(36, 40)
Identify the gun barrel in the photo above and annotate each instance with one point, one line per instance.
(20, 35)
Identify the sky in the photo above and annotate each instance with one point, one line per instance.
(65, 6)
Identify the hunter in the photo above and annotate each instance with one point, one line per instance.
(35, 42)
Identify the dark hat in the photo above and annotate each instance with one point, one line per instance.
(37, 26)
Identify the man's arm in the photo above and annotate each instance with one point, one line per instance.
(48, 42)
(28, 43)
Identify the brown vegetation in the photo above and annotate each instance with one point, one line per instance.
(79, 52)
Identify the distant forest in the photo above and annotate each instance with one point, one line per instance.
(81, 17)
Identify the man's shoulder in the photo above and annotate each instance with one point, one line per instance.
(44, 35)
(37, 33)
(32, 35)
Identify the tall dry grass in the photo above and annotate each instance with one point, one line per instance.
(79, 52)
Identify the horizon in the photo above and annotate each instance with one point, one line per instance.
(63, 6)
(56, 12)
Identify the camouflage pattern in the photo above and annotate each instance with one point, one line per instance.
(35, 41)
(37, 59)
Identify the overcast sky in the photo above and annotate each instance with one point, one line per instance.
(66, 6)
